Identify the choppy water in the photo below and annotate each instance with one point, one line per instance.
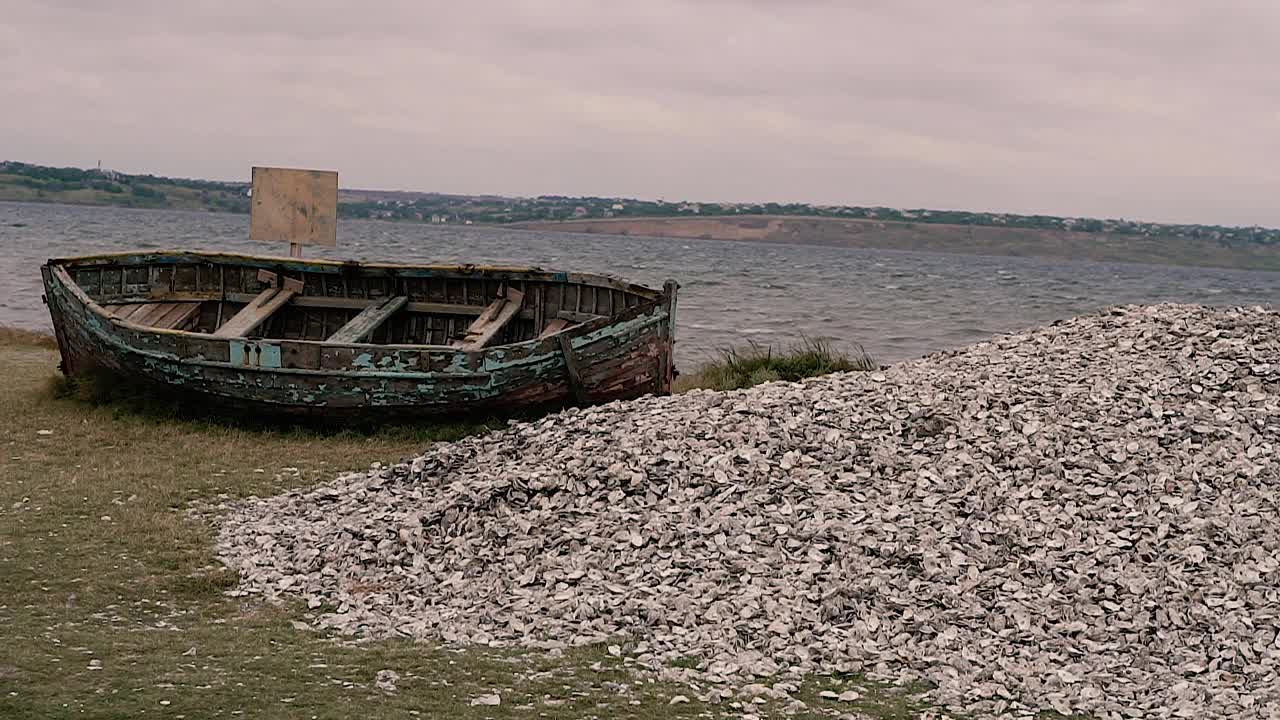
(897, 304)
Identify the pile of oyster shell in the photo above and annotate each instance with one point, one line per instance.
(1083, 517)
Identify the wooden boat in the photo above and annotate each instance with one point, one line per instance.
(348, 340)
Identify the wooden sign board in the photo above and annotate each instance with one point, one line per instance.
(299, 207)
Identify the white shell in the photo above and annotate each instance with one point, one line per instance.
(1082, 518)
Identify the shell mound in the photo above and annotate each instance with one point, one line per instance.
(1083, 517)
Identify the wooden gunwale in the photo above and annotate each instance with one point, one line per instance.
(496, 272)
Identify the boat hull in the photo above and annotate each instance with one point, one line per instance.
(623, 356)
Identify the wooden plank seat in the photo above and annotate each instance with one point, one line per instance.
(162, 315)
(367, 320)
(485, 328)
(553, 327)
(256, 312)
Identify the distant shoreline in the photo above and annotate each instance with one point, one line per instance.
(1045, 244)
(932, 237)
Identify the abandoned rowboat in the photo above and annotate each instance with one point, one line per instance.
(329, 339)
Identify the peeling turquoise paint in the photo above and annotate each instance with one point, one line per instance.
(270, 356)
(393, 362)
(254, 353)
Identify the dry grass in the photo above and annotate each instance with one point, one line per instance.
(744, 367)
(29, 338)
(101, 561)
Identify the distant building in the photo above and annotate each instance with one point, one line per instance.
(617, 206)
(579, 212)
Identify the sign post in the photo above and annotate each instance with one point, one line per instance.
(299, 207)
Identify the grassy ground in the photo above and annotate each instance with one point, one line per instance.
(112, 604)
(743, 367)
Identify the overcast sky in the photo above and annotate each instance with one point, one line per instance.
(1153, 109)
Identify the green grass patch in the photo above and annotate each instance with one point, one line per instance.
(753, 364)
(875, 699)
(113, 604)
(112, 600)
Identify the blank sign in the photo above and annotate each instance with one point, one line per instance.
(294, 206)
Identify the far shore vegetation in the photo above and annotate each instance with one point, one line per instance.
(113, 602)
(37, 183)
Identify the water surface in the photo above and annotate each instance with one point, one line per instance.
(897, 304)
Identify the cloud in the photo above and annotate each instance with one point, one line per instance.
(1161, 109)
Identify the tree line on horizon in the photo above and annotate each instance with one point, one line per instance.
(152, 191)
